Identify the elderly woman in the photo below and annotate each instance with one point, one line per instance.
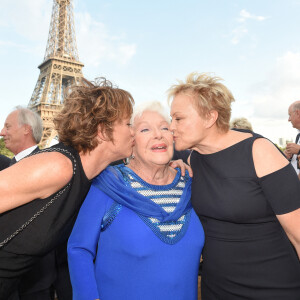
(245, 193)
(136, 235)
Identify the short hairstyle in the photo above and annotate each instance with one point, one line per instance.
(31, 118)
(208, 94)
(296, 105)
(154, 106)
(88, 105)
(241, 123)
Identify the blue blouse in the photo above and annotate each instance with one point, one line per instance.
(127, 260)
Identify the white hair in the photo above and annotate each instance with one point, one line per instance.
(29, 117)
(296, 105)
(154, 106)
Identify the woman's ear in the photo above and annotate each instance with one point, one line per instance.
(101, 136)
(211, 118)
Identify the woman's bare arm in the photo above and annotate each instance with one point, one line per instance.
(268, 159)
(38, 176)
(290, 222)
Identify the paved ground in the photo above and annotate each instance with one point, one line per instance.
(199, 289)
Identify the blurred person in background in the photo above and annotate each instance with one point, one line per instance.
(293, 149)
(241, 123)
(22, 132)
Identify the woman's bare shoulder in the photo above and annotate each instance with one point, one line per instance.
(267, 157)
(37, 176)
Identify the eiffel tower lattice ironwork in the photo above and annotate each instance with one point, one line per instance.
(60, 68)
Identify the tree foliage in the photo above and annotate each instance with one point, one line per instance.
(4, 150)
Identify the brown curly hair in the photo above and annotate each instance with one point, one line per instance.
(88, 105)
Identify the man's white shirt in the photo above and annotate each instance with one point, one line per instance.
(24, 153)
(294, 158)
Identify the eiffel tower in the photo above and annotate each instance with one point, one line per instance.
(60, 68)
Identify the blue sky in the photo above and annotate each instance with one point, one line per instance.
(145, 46)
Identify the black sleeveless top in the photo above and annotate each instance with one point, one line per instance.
(41, 224)
(247, 254)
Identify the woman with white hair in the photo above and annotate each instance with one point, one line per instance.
(136, 235)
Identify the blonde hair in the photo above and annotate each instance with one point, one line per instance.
(208, 94)
(241, 123)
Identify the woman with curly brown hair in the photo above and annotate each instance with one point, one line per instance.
(41, 194)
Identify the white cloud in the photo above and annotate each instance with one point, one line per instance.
(281, 88)
(266, 106)
(237, 34)
(96, 43)
(269, 101)
(245, 15)
(241, 30)
(25, 26)
(29, 19)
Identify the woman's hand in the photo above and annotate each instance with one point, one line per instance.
(183, 166)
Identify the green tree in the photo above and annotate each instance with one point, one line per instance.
(4, 150)
(281, 148)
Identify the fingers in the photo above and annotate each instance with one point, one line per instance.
(183, 167)
(189, 170)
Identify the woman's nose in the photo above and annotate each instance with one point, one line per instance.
(131, 131)
(158, 133)
(172, 126)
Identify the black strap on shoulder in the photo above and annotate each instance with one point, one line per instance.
(51, 201)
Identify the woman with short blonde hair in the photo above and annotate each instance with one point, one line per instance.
(245, 193)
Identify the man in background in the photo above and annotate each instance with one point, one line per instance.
(293, 149)
(22, 132)
(4, 162)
